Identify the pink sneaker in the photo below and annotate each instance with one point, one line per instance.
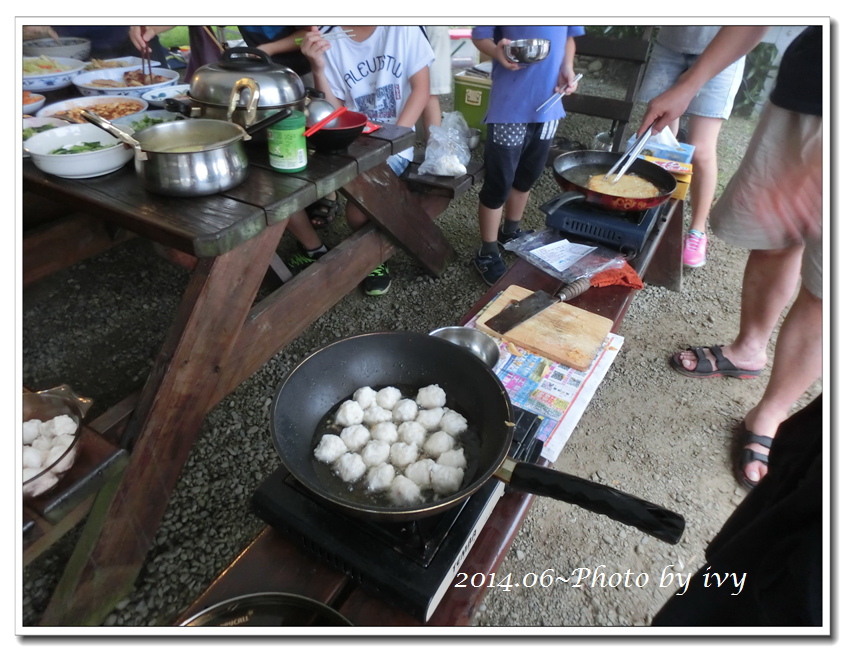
(694, 250)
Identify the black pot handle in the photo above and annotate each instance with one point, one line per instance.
(651, 519)
(269, 121)
(178, 106)
(255, 59)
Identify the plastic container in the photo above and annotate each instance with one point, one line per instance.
(471, 98)
(288, 145)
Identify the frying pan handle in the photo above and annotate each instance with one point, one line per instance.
(566, 198)
(269, 121)
(652, 519)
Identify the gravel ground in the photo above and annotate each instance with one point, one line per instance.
(648, 431)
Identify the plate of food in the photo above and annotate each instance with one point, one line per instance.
(106, 106)
(32, 126)
(156, 96)
(49, 73)
(132, 82)
(122, 62)
(139, 121)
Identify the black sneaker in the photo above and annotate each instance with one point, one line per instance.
(504, 238)
(378, 281)
(491, 267)
(301, 260)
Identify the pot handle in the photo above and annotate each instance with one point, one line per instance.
(651, 519)
(269, 121)
(566, 198)
(255, 60)
(178, 106)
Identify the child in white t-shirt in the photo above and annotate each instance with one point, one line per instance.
(382, 72)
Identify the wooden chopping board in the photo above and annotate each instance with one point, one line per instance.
(561, 333)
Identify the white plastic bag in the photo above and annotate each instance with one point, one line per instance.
(664, 138)
(448, 150)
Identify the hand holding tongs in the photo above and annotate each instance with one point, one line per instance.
(630, 155)
(556, 97)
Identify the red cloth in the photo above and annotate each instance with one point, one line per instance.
(624, 275)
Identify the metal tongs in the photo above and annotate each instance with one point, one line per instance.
(556, 97)
(632, 153)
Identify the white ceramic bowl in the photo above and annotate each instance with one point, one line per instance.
(140, 121)
(98, 105)
(71, 47)
(49, 81)
(83, 80)
(29, 123)
(156, 96)
(77, 166)
(36, 103)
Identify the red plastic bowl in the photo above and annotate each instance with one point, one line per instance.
(349, 126)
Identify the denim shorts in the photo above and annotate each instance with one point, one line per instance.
(715, 98)
(398, 164)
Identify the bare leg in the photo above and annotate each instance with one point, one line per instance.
(770, 278)
(489, 220)
(798, 362)
(703, 134)
(300, 226)
(514, 207)
(355, 217)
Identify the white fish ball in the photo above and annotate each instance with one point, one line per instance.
(453, 422)
(62, 464)
(438, 443)
(33, 458)
(350, 413)
(420, 472)
(405, 410)
(60, 425)
(454, 457)
(379, 478)
(375, 452)
(446, 480)
(42, 442)
(355, 437)
(385, 431)
(31, 430)
(412, 432)
(431, 396)
(42, 484)
(350, 467)
(330, 448)
(64, 440)
(376, 414)
(388, 397)
(30, 472)
(365, 397)
(430, 418)
(404, 491)
(402, 454)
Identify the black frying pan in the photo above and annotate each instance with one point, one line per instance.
(573, 170)
(318, 384)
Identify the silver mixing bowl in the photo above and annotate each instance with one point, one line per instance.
(527, 50)
(481, 344)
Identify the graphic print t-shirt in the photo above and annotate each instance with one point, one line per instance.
(373, 77)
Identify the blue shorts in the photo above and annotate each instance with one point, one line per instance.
(398, 164)
(714, 100)
(514, 157)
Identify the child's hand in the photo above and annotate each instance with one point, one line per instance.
(502, 58)
(566, 82)
(314, 47)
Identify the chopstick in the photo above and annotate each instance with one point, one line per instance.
(331, 36)
(630, 155)
(556, 97)
(319, 125)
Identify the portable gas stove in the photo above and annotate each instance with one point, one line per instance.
(410, 564)
(624, 231)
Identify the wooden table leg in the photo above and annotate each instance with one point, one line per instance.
(163, 429)
(666, 266)
(387, 200)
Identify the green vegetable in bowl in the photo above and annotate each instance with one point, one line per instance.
(91, 146)
(147, 121)
(29, 132)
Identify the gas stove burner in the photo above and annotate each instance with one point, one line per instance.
(624, 231)
(411, 564)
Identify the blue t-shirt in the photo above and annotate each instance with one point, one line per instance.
(515, 94)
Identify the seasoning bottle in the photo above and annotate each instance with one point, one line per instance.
(288, 147)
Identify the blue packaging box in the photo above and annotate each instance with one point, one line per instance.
(681, 154)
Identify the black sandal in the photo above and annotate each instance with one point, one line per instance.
(322, 212)
(748, 455)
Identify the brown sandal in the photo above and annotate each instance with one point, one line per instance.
(322, 212)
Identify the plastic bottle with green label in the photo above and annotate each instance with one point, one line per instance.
(287, 143)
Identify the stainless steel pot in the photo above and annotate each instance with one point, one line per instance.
(190, 158)
(244, 87)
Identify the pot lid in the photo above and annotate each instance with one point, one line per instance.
(277, 85)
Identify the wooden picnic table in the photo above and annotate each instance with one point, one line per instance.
(220, 335)
(273, 562)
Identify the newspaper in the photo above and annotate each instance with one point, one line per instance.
(557, 393)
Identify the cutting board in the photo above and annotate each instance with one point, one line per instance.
(561, 333)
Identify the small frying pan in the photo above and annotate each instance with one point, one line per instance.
(573, 170)
(318, 384)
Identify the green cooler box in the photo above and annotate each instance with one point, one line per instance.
(471, 98)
